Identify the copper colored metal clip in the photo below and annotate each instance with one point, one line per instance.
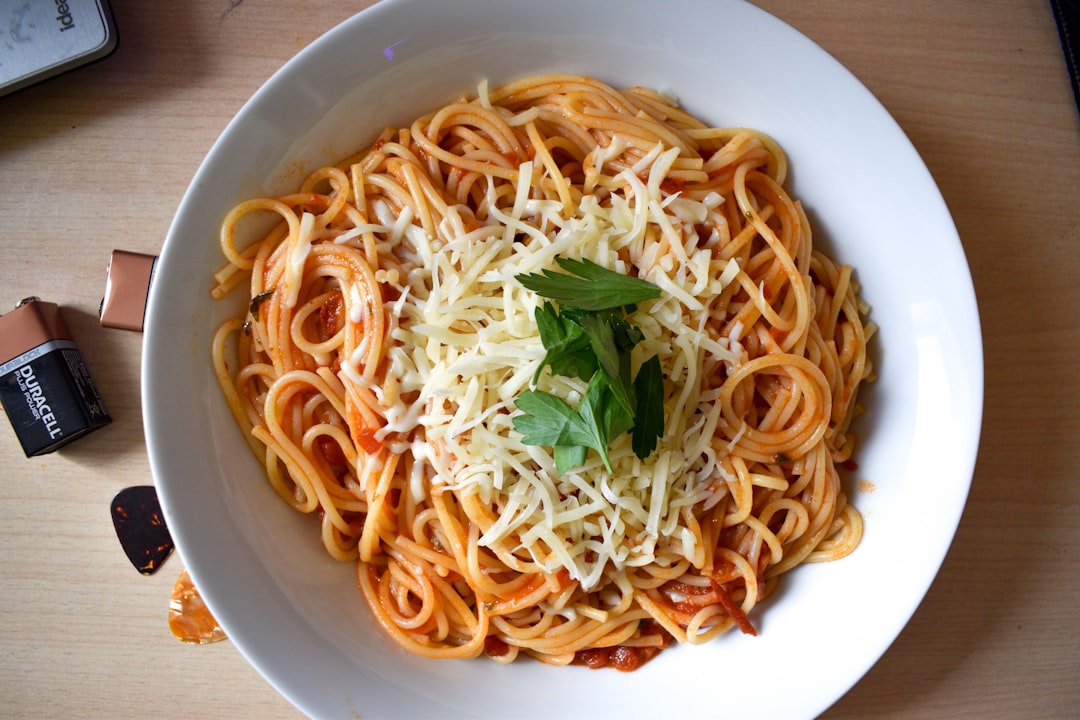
(127, 285)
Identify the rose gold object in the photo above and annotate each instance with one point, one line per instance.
(127, 285)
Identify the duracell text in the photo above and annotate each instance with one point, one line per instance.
(47, 392)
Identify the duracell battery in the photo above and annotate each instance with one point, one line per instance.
(127, 285)
(47, 392)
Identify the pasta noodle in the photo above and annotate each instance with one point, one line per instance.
(376, 369)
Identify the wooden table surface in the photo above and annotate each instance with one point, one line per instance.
(99, 158)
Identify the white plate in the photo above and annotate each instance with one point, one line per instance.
(298, 617)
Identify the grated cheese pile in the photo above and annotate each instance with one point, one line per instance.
(465, 343)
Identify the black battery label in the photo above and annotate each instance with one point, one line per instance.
(49, 397)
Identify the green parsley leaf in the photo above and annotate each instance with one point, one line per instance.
(626, 335)
(649, 411)
(614, 418)
(568, 347)
(590, 337)
(600, 416)
(568, 457)
(589, 286)
(549, 420)
(600, 328)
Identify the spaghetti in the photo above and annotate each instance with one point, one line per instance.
(376, 369)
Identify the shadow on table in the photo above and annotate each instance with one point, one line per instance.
(160, 51)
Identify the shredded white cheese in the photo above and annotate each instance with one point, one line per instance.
(465, 344)
(298, 251)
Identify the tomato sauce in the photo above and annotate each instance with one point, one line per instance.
(330, 451)
(625, 658)
(366, 439)
(672, 185)
(332, 315)
(495, 647)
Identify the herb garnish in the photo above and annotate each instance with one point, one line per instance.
(258, 300)
(591, 337)
(253, 309)
(594, 288)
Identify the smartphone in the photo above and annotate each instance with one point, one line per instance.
(43, 38)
